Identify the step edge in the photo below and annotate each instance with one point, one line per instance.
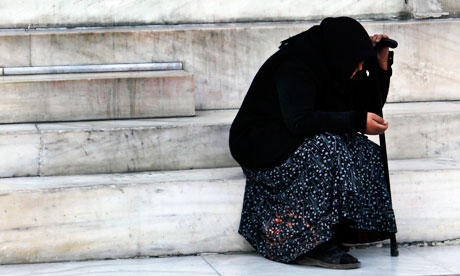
(94, 76)
(214, 175)
(197, 26)
(224, 119)
(201, 118)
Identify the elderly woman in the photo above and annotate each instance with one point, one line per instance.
(313, 179)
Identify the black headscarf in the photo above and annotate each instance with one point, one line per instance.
(336, 46)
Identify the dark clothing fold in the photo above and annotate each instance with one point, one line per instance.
(333, 184)
(300, 92)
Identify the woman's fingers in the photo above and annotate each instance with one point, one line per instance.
(381, 127)
(374, 128)
(377, 37)
(377, 118)
(380, 36)
(375, 124)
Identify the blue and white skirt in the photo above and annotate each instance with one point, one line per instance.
(331, 181)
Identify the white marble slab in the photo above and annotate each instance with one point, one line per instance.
(413, 133)
(46, 183)
(15, 49)
(202, 141)
(104, 47)
(202, 118)
(117, 145)
(374, 261)
(427, 9)
(451, 6)
(422, 130)
(142, 145)
(426, 61)
(179, 212)
(446, 256)
(69, 97)
(20, 148)
(425, 204)
(104, 12)
(174, 266)
(430, 164)
(143, 215)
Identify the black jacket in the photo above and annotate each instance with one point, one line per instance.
(304, 89)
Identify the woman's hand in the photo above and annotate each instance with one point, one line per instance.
(375, 124)
(382, 52)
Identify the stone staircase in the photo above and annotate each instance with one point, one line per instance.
(95, 96)
(118, 165)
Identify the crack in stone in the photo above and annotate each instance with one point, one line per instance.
(40, 151)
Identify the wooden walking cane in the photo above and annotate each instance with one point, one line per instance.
(383, 148)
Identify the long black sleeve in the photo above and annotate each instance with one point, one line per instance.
(384, 83)
(297, 92)
(374, 93)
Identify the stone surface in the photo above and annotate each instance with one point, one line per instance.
(127, 12)
(374, 261)
(45, 219)
(202, 142)
(427, 60)
(19, 150)
(451, 6)
(427, 9)
(172, 266)
(14, 49)
(119, 216)
(422, 130)
(89, 96)
(116, 145)
(93, 47)
(136, 145)
(413, 260)
(225, 58)
(421, 214)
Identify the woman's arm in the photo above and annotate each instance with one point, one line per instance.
(384, 71)
(297, 95)
(384, 76)
(372, 90)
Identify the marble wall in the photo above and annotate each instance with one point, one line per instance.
(224, 59)
(451, 6)
(21, 13)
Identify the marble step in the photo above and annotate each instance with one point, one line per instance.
(417, 130)
(418, 260)
(89, 96)
(47, 219)
(104, 12)
(55, 13)
(112, 146)
(422, 130)
(426, 67)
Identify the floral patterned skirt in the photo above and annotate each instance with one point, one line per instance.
(334, 184)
